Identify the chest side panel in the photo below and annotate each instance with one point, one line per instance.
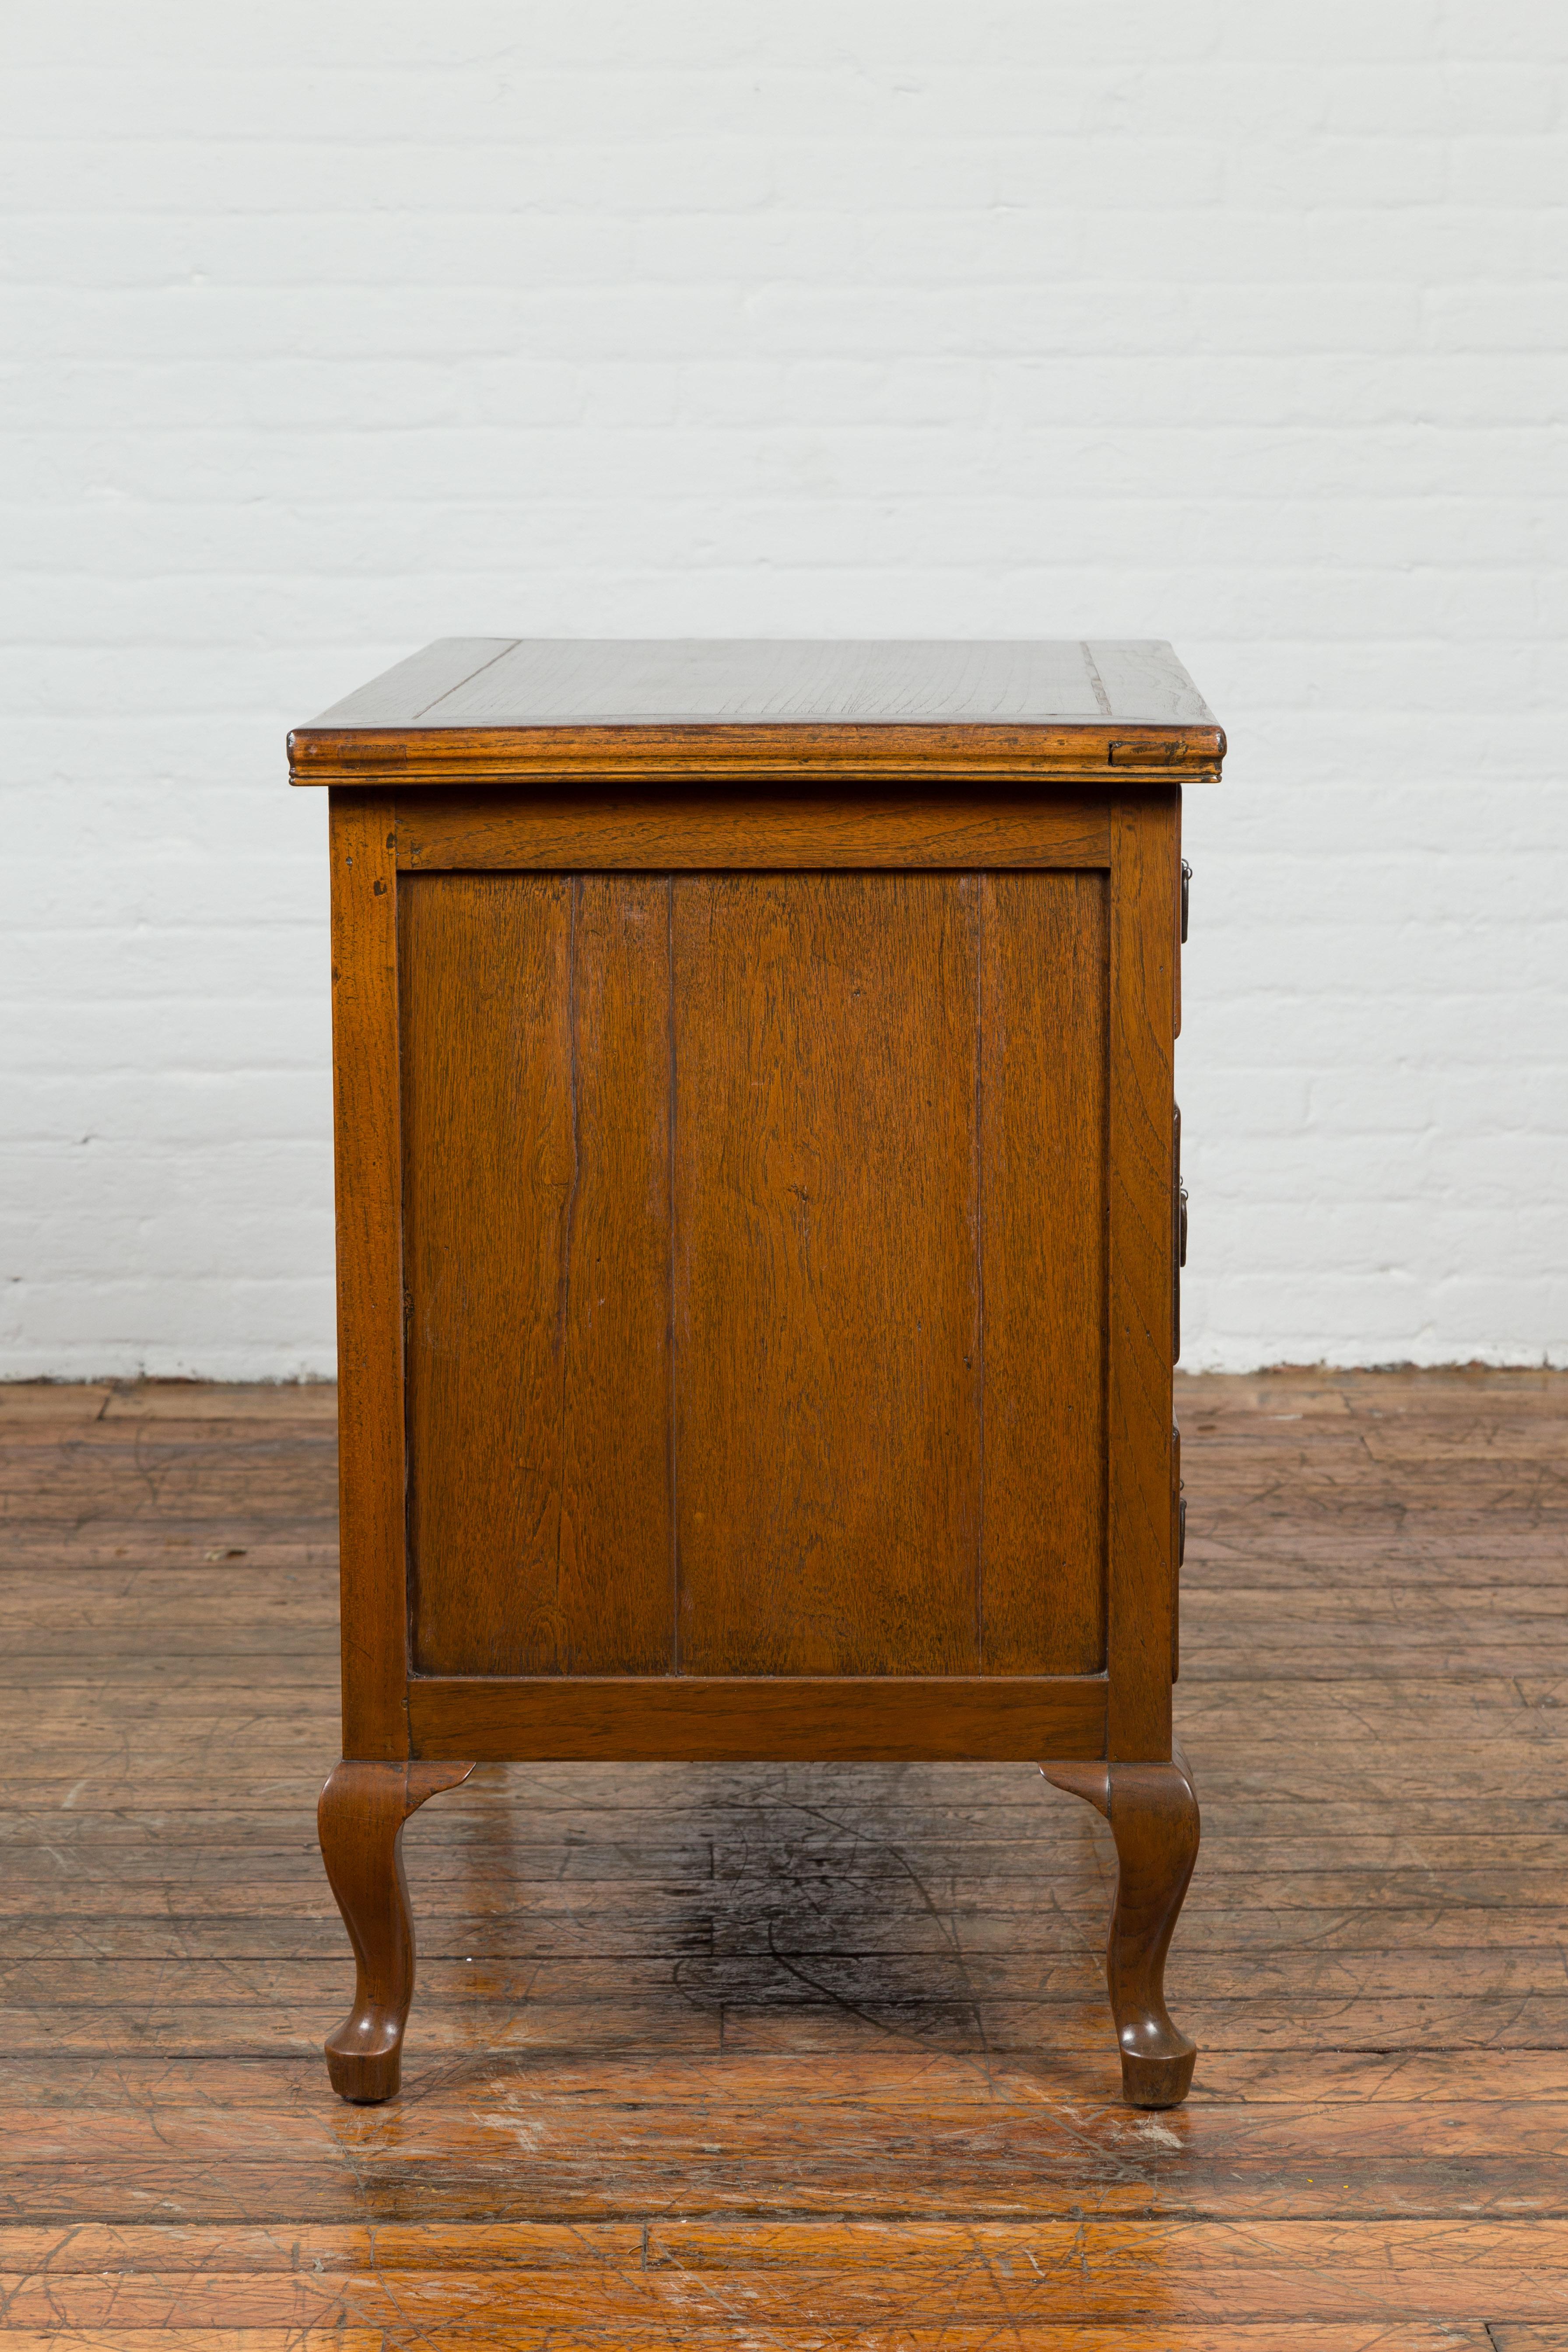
(755, 1244)
(1042, 1119)
(535, 1048)
(827, 1270)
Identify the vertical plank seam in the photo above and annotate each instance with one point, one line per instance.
(447, 691)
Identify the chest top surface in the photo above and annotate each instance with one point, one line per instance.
(476, 708)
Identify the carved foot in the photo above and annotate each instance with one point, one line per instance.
(1153, 1817)
(360, 1818)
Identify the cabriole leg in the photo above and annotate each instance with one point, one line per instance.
(1153, 1816)
(360, 1818)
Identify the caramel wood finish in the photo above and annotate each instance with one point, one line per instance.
(829, 1383)
(1143, 1278)
(536, 1210)
(390, 759)
(479, 831)
(831, 1341)
(1044, 1013)
(1153, 1816)
(812, 2054)
(756, 1226)
(705, 1180)
(742, 1719)
(367, 1145)
(360, 1819)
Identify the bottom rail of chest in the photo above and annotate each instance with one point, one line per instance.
(869, 1718)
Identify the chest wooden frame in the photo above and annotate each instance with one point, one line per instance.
(401, 808)
(392, 1711)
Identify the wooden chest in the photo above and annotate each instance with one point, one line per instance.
(759, 1221)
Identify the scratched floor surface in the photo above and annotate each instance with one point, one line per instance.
(797, 2057)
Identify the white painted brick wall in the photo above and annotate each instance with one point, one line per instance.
(332, 329)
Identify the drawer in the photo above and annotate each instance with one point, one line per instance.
(1178, 1546)
(1178, 1234)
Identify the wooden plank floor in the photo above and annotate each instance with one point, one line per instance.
(797, 2057)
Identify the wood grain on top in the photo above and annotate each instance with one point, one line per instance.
(495, 708)
(758, 682)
